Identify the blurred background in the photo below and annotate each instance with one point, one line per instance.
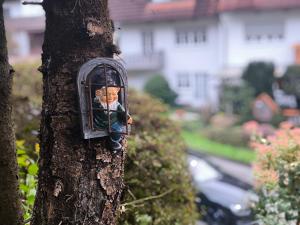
(228, 70)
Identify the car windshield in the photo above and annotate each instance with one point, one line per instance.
(201, 171)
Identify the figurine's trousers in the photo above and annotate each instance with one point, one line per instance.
(117, 128)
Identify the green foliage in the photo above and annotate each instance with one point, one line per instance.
(199, 143)
(260, 76)
(277, 207)
(158, 183)
(28, 82)
(192, 126)
(158, 87)
(277, 171)
(277, 119)
(291, 80)
(237, 99)
(27, 100)
(28, 170)
(229, 135)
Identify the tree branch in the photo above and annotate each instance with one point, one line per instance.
(147, 198)
(32, 3)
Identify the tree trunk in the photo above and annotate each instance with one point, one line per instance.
(80, 181)
(10, 205)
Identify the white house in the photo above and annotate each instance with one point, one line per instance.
(25, 27)
(193, 43)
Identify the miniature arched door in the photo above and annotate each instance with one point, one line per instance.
(102, 87)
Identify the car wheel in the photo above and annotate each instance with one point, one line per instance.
(216, 216)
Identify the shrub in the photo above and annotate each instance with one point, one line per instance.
(253, 128)
(290, 81)
(260, 76)
(158, 87)
(27, 100)
(237, 99)
(277, 172)
(28, 169)
(229, 135)
(28, 82)
(158, 184)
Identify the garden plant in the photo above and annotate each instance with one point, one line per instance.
(277, 170)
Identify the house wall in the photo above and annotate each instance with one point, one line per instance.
(15, 9)
(190, 59)
(226, 52)
(239, 52)
(22, 41)
(20, 38)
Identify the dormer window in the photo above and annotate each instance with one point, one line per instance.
(261, 32)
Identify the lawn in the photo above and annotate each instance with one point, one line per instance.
(199, 143)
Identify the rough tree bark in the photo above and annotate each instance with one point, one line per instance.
(10, 205)
(80, 181)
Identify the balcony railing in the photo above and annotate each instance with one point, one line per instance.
(140, 62)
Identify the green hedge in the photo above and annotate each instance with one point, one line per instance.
(158, 87)
(260, 76)
(229, 135)
(159, 189)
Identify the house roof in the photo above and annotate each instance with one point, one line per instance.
(25, 24)
(235, 5)
(268, 101)
(291, 112)
(145, 10)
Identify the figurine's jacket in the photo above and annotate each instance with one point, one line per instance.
(101, 116)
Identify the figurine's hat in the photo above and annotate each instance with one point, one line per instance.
(102, 76)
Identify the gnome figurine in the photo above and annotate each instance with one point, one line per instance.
(106, 102)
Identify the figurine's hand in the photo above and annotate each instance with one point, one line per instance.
(129, 121)
(98, 93)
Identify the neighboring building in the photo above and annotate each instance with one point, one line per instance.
(292, 115)
(194, 43)
(177, 39)
(25, 28)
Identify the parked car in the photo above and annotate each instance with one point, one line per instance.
(221, 198)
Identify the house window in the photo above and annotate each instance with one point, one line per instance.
(148, 42)
(257, 32)
(36, 42)
(183, 80)
(201, 85)
(192, 36)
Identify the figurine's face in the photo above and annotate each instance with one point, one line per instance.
(109, 96)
